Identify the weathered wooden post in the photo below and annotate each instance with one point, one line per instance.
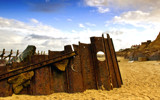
(2, 55)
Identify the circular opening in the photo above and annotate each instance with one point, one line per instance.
(100, 56)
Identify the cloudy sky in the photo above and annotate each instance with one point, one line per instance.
(51, 24)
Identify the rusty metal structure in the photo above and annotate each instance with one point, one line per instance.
(2, 56)
(67, 71)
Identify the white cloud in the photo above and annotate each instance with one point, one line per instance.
(84, 35)
(81, 25)
(26, 29)
(34, 20)
(137, 26)
(69, 19)
(96, 2)
(103, 9)
(139, 19)
(145, 26)
(74, 31)
(17, 35)
(99, 4)
(142, 5)
(90, 24)
(125, 4)
(87, 24)
(125, 38)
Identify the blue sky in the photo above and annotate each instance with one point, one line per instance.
(51, 24)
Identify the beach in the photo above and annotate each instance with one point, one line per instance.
(141, 81)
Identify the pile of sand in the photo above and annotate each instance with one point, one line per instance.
(141, 82)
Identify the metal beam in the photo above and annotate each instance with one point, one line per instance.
(36, 65)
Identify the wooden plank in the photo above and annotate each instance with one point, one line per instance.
(88, 72)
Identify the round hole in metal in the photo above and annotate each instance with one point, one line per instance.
(100, 56)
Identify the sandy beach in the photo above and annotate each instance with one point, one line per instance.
(141, 81)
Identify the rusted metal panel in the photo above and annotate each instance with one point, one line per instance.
(41, 85)
(115, 63)
(36, 65)
(32, 88)
(103, 74)
(25, 91)
(58, 78)
(88, 73)
(68, 48)
(110, 64)
(3, 69)
(42, 81)
(5, 89)
(75, 73)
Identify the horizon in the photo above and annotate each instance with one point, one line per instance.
(51, 24)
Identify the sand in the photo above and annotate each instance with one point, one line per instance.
(141, 82)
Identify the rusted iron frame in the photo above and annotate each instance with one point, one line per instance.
(95, 50)
(108, 60)
(79, 53)
(86, 64)
(37, 65)
(115, 62)
(76, 83)
(68, 48)
(94, 57)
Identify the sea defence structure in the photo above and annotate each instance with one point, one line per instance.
(63, 71)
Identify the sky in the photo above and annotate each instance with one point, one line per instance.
(51, 24)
